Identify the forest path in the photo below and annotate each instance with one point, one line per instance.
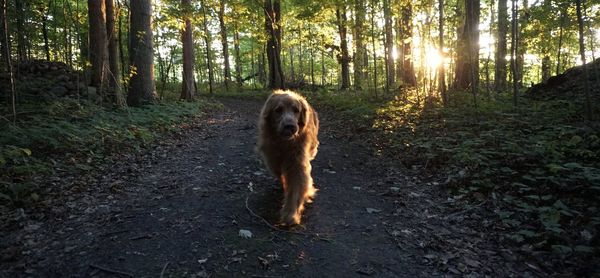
(180, 216)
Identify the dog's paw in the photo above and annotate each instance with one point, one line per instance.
(290, 219)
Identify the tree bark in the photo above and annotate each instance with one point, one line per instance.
(586, 84)
(501, 49)
(188, 87)
(343, 58)
(273, 29)
(142, 89)
(114, 77)
(467, 60)
(359, 44)
(441, 68)
(7, 59)
(21, 39)
(408, 69)
(98, 45)
(226, 67)
(560, 40)
(238, 58)
(45, 33)
(375, 76)
(207, 41)
(389, 43)
(514, 50)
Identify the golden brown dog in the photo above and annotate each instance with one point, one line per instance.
(288, 142)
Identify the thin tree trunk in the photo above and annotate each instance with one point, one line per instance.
(7, 59)
(226, 69)
(238, 59)
(113, 55)
(142, 89)
(121, 48)
(45, 33)
(389, 45)
(442, 70)
(344, 57)
(323, 70)
(514, 51)
(188, 88)
(207, 41)
(375, 76)
(560, 41)
(21, 39)
(586, 85)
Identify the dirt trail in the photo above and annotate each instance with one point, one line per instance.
(180, 216)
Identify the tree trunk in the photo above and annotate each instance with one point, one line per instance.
(7, 59)
(501, 49)
(98, 45)
(408, 69)
(560, 40)
(238, 58)
(389, 42)
(21, 39)
(273, 29)
(114, 77)
(467, 60)
(323, 69)
(375, 76)
(546, 71)
(514, 50)
(207, 41)
(343, 58)
(359, 44)
(586, 84)
(45, 33)
(188, 87)
(121, 48)
(142, 89)
(226, 67)
(441, 69)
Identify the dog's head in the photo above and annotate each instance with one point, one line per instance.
(286, 113)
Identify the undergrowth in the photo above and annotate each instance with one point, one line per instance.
(538, 164)
(71, 136)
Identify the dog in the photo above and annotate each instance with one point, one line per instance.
(287, 142)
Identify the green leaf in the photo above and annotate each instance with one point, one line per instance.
(562, 249)
(583, 248)
(26, 151)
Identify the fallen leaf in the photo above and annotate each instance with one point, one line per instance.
(245, 233)
(372, 210)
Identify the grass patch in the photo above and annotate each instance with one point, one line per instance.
(72, 136)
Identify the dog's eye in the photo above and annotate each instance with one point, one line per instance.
(278, 109)
(296, 110)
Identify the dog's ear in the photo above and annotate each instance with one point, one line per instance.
(268, 107)
(305, 113)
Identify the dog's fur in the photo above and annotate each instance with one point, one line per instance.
(288, 142)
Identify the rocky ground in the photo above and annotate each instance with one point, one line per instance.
(201, 204)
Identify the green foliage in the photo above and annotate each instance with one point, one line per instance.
(71, 136)
(538, 161)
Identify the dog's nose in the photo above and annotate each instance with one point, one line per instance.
(289, 127)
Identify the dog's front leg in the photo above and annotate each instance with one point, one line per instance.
(298, 184)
